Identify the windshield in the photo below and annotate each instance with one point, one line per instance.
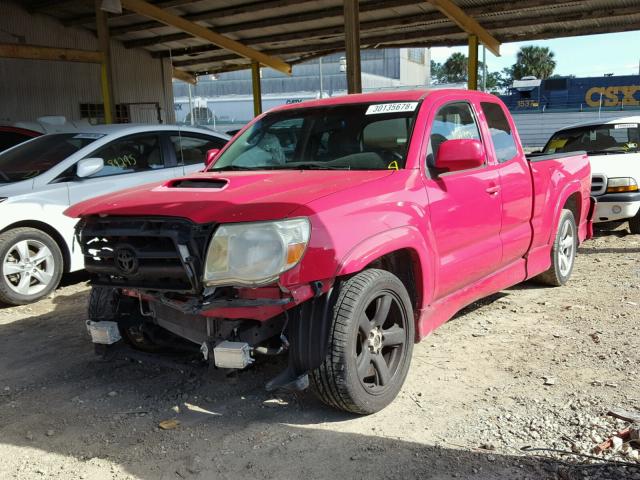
(603, 139)
(344, 137)
(32, 158)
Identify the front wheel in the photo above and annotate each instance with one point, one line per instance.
(563, 252)
(103, 306)
(31, 265)
(370, 344)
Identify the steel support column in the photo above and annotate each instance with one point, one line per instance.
(106, 77)
(352, 45)
(257, 88)
(472, 67)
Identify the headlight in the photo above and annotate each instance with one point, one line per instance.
(621, 184)
(252, 254)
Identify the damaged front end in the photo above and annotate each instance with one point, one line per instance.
(161, 281)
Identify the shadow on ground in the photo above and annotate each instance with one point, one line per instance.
(57, 398)
(67, 279)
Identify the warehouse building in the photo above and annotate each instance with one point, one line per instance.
(32, 88)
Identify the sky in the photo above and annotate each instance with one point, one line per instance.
(587, 56)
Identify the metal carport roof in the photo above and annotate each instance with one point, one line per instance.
(297, 30)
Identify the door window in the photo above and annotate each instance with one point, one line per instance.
(192, 149)
(137, 153)
(453, 121)
(501, 133)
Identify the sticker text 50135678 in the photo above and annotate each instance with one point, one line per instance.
(391, 108)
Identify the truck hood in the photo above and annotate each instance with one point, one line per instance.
(618, 165)
(228, 196)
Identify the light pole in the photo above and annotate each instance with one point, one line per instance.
(320, 68)
(484, 68)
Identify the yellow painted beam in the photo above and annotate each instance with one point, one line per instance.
(151, 11)
(257, 88)
(472, 67)
(37, 52)
(106, 76)
(467, 23)
(184, 76)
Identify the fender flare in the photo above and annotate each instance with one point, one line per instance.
(569, 189)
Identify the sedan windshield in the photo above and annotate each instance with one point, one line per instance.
(597, 139)
(32, 158)
(344, 137)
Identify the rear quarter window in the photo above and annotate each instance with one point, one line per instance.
(501, 133)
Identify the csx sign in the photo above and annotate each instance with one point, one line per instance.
(613, 96)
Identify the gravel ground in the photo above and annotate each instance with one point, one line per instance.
(530, 366)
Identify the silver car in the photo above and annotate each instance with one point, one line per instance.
(41, 178)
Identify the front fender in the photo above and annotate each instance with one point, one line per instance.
(400, 238)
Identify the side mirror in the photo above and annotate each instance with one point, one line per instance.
(211, 156)
(460, 154)
(89, 166)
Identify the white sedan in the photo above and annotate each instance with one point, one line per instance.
(41, 178)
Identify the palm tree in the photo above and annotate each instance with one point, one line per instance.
(534, 61)
(454, 69)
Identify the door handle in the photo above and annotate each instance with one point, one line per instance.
(493, 190)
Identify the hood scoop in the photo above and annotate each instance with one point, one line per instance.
(209, 183)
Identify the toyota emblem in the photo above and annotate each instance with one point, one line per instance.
(126, 260)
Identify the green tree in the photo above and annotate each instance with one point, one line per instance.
(436, 71)
(534, 61)
(454, 69)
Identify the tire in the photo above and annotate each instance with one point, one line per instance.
(31, 265)
(365, 366)
(634, 224)
(563, 252)
(103, 306)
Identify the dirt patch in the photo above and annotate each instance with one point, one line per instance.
(530, 366)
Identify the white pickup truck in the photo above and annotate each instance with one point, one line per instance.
(613, 147)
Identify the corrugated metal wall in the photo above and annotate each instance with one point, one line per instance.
(33, 88)
(536, 128)
(305, 77)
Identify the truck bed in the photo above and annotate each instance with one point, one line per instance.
(553, 177)
(542, 157)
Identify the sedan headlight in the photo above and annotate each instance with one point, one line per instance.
(252, 254)
(621, 184)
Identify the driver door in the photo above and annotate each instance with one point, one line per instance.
(465, 205)
(128, 161)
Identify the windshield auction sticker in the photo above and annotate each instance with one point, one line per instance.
(391, 108)
(626, 125)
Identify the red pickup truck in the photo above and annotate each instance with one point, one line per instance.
(339, 231)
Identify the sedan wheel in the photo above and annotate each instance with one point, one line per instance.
(31, 265)
(28, 267)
